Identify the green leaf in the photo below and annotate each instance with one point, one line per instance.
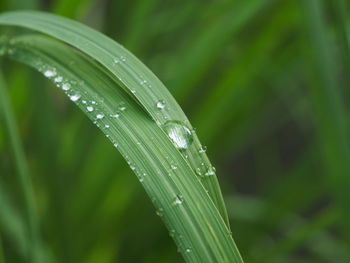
(141, 118)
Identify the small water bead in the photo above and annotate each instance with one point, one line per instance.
(203, 149)
(133, 91)
(172, 232)
(160, 104)
(58, 79)
(83, 101)
(93, 102)
(188, 250)
(107, 126)
(199, 171)
(122, 106)
(116, 145)
(117, 115)
(178, 200)
(173, 167)
(90, 108)
(159, 212)
(122, 58)
(100, 116)
(66, 86)
(75, 97)
(179, 133)
(210, 171)
(49, 73)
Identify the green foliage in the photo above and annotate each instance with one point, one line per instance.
(265, 83)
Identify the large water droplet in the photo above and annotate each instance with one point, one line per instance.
(179, 133)
(90, 108)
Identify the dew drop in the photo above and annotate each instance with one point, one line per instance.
(178, 200)
(179, 133)
(100, 116)
(188, 250)
(116, 145)
(160, 104)
(107, 126)
(90, 108)
(58, 79)
(117, 115)
(49, 73)
(159, 212)
(203, 149)
(172, 232)
(210, 171)
(93, 102)
(173, 167)
(75, 97)
(66, 86)
(122, 106)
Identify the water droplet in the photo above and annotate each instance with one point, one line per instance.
(122, 106)
(90, 108)
(116, 145)
(210, 171)
(133, 91)
(75, 97)
(172, 232)
(188, 250)
(83, 101)
(93, 102)
(66, 86)
(180, 134)
(49, 73)
(159, 212)
(100, 116)
(107, 126)
(117, 115)
(122, 58)
(58, 79)
(160, 104)
(178, 200)
(203, 149)
(173, 167)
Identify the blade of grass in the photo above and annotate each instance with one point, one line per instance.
(195, 62)
(12, 225)
(23, 177)
(181, 200)
(328, 108)
(145, 87)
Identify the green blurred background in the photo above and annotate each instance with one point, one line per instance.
(265, 83)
